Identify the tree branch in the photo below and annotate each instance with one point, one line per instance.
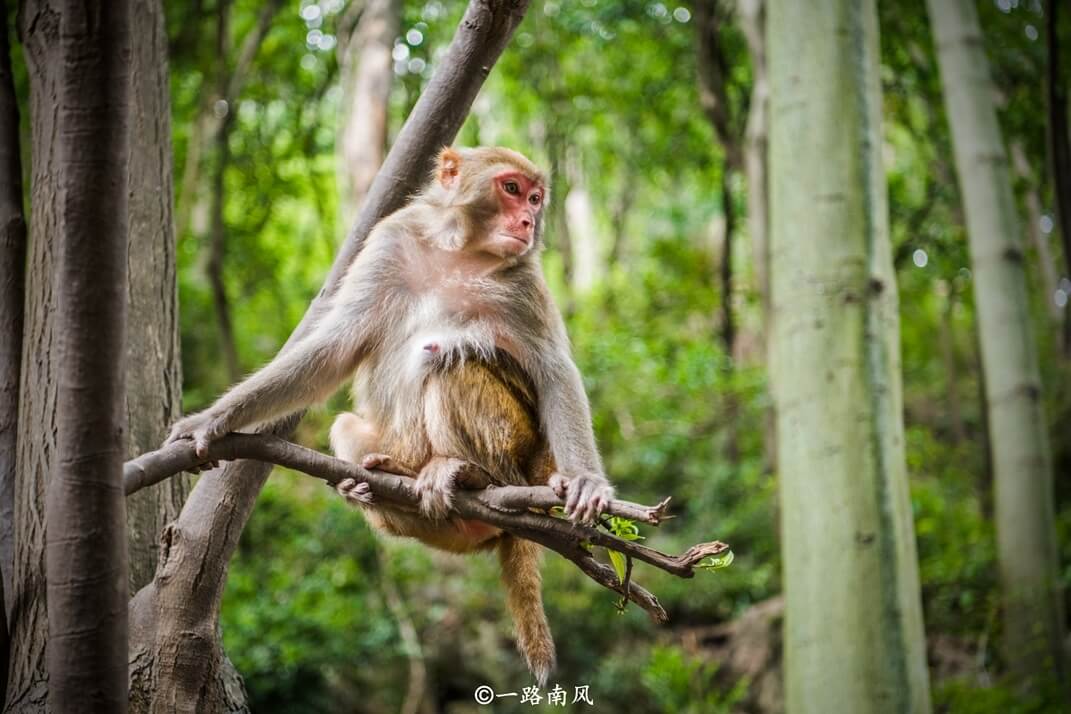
(505, 507)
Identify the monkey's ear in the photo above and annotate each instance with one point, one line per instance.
(449, 166)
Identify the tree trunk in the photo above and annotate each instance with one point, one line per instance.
(367, 78)
(589, 267)
(12, 286)
(1022, 467)
(853, 632)
(753, 24)
(948, 356)
(176, 628)
(27, 677)
(85, 512)
(1059, 141)
(154, 389)
(1032, 203)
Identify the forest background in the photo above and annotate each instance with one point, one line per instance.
(648, 116)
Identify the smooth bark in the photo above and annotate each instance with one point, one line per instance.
(1022, 464)
(853, 632)
(177, 627)
(85, 513)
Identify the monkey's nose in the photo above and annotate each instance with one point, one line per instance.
(526, 222)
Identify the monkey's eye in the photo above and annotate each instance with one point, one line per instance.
(512, 187)
(535, 198)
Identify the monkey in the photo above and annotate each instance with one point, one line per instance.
(446, 305)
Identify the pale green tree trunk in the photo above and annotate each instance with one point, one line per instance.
(1022, 468)
(854, 639)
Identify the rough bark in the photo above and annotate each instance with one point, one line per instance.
(367, 78)
(175, 626)
(1022, 467)
(27, 678)
(853, 632)
(85, 513)
(12, 285)
(154, 389)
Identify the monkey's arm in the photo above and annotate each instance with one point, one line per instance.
(566, 419)
(301, 374)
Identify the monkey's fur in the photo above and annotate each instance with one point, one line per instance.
(486, 414)
(459, 354)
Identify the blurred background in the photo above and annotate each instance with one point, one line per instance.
(643, 112)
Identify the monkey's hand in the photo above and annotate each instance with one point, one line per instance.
(585, 495)
(202, 429)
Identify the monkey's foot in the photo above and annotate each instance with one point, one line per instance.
(382, 462)
(586, 496)
(436, 485)
(355, 491)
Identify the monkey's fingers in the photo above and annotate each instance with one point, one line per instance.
(355, 491)
(559, 484)
(382, 462)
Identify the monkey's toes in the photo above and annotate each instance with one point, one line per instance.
(355, 491)
(382, 462)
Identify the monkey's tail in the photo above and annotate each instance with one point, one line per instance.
(520, 574)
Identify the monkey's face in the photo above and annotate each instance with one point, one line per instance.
(520, 200)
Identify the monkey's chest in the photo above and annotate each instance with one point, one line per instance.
(434, 336)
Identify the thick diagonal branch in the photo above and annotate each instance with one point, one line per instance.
(507, 507)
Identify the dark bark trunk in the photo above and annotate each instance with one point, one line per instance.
(712, 72)
(217, 246)
(154, 389)
(12, 287)
(1059, 142)
(217, 249)
(176, 628)
(85, 515)
(27, 678)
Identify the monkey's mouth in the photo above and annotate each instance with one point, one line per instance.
(522, 241)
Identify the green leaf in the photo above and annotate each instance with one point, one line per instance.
(717, 562)
(618, 562)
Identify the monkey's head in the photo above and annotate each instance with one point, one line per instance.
(499, 196)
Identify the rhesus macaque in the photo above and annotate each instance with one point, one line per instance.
(463, 374)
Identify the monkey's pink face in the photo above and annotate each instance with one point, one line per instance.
(521, 201)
